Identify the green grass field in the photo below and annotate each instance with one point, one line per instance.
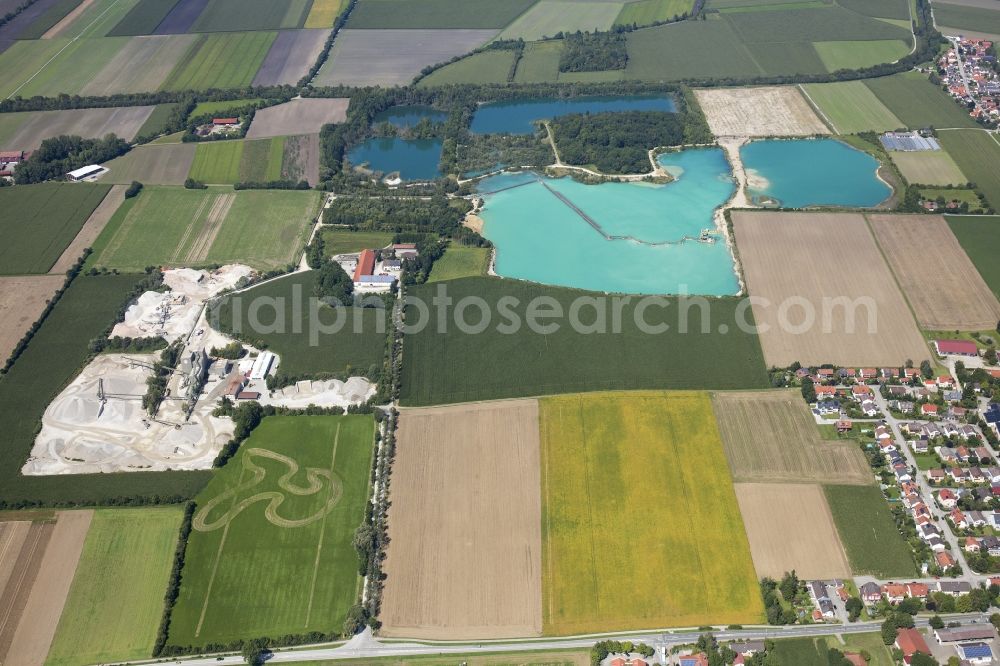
(484, 67)
(980, 238)
(48, 18)
(550, 17)
(891, 9)
(858, 55)
(143, 18)
(979, 19)
(218, 162)
(261, 160)
(644, 12)
(460, 262)
(673, 52)
(928, 167)
(539, 63)
(156, 123)
(917, 102)
(358, 345)
(221, 60)
(823, 24)
(220, 108)
(545, 364)
(38, 222)
(787, 57)
(527, 658)
(852, 107)
(873, 544)
(437, 14)
(25, 58)
(266, 228)
(977, 155)
(50, 67)
(614, 466)
(116, 600)
(231, 15)
(257, 565)
(341, 241)
(53, 358)
(171, 226)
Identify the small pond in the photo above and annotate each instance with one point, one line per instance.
(414, 159)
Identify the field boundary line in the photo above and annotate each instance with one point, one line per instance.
(118, 239)
(322, 530)
(218, 557)
(895, 278)
(826, 119)
(187, 232)
(60, 52)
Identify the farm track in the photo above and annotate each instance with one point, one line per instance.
(213, 225)
(24, 568)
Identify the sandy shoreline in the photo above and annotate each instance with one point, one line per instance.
(740, 199)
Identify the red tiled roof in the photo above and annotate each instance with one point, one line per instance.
(911, 641)
(225, 121)
(956, 347)
(366, 264)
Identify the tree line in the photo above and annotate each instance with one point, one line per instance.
(61, 154)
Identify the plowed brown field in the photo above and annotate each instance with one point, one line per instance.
(464, 557)
(823, 292)
(790, 527)
(937, 276)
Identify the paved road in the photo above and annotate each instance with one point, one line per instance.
(365, 646)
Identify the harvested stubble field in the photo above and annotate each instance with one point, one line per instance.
(464, 559)
(537, 363)
(394, 57)
(613, 465)
(771, 111)
(36, 593)
(292, 54)
(851, 107)
(323, 13)
(22, 299)
(978, 236)
(771, 437)
(116, 600)
(254, 567)
(301, 159)
(943, 286)
(928, 167)
(871, 539)
(35, 126)
(299, 116)
(790, 528)
(38, 222)
(815, 311)
(167, 164)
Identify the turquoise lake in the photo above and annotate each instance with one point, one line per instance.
(538, 237)
(414, 159)
(516, 117)
(813, 172)
(408, 116)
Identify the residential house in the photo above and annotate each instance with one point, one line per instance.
(920, 445)
(928, 409)
(935, 475)
(870, 593)
(823, 392)
(917, 590)
(956, 347)
(977, 654)
(828, 407)
(910, 642)
(958, 519)
(944, 560)
(971, 545)
(983, 454)
(867, 374)
(947, 499)
(894, 592)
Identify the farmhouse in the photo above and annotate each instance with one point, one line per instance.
(8, 160)
(956, 347)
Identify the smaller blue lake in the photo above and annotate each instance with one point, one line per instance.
(415, 159)
(812, 172)
(408, 116)
(515, 117)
